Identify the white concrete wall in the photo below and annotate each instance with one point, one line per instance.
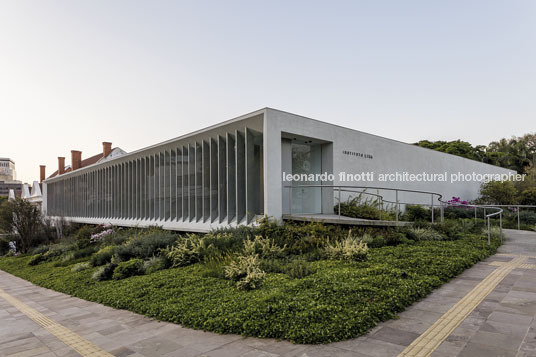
(389, 156)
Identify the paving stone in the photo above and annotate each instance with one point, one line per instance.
(122, 352)
(477, 350)
(450, 348)
(395, 336)
(499, 340)
(328, 351)
(236, 348)
(510, 318)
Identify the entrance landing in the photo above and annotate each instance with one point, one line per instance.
(335, 219)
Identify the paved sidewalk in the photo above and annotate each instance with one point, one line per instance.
(502, 324)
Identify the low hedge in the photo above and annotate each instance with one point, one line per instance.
(335, 301)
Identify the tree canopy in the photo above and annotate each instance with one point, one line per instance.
(516, 153)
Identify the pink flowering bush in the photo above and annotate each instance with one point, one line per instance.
(104, 231)
(456, 201)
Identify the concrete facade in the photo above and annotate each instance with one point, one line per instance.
(232, 172)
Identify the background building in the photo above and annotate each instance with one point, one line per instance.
(8, 178)
(232, 172)
(7, 170)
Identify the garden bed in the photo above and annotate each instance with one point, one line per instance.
(332, 300)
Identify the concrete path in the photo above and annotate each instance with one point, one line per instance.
(487, 311)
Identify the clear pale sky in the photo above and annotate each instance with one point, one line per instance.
(76, 73)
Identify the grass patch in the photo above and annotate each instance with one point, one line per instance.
(323, 301)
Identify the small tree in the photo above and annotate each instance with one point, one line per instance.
(22, 219)
(498, 193)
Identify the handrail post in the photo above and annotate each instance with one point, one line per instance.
(518, 218)
(484, 215)
(290, 200)
(397, 205)
(476, 217)
(500, 226)
(432, 196)
(339, 203)
(489, 232)
(442, 212)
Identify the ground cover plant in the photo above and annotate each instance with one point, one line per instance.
(303, 282)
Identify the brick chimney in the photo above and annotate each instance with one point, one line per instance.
(61, 165)
(106, 148)
(76, 159)
(42, 173)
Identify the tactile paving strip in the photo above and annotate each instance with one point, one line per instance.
(427, 343)
(71, 339)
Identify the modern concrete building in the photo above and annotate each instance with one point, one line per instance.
(229, 173)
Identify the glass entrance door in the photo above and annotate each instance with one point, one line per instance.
(306, 159)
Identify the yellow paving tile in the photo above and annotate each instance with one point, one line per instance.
(426, 344)
(70, 338)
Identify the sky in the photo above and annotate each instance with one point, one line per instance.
(76, 73)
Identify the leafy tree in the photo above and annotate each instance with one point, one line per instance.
(499, 193)
(528, 196)
(516, 153)
(22, 219)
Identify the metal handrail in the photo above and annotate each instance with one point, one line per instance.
(350, 188)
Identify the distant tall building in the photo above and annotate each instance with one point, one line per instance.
(7, 169)
(8, 178)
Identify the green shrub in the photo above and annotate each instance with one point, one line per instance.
(419, 234)
(265, 247)
(37, 259)
(528, 196)
(367, 238)
(456, 212)
(81, 253)
(349, 249)
(278, 266)
(246, 272)
(495, 232)
(214, 266)
(103, 256)
(417, 213)
(377, 242)
(83, 236)
(354, 208)
(129, 268)
(527, 217)
(42, 249)
(298, 269)
(450, 229)
(58, 250)
(223, 242)
(470, 226)
(145, 245)
(155, 264)
(105, 272)
(302, 238)
(80, 267)
(407, 241)
(187, 251)
(393, 237)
